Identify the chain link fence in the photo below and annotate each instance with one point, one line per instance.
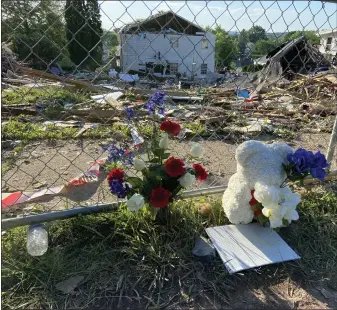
(231, 71)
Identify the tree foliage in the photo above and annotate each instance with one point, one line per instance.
(84, 32)
(36, 30)
(256, 33)
(263, 47)
(225, 47)
(311, 35)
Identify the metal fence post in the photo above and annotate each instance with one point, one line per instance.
(332, 143)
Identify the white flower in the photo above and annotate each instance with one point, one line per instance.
(284, 208)
(291, 215)
(139, 164)
(197, 150)
(187, 180)
(267, 195)
(163, 143)
(275, 215)
(288, 199)
(135, 203)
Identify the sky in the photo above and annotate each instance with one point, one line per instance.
(274, 16)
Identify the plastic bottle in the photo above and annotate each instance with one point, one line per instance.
(37, 240)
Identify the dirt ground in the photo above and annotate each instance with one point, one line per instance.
(284, 295)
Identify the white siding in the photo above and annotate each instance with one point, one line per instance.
(324, 40)
(137, 50)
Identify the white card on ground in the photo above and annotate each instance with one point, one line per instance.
(248, 246)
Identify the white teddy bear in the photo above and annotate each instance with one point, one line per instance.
(256, 162)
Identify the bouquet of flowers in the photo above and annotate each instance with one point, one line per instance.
(162, 176)
(276, 205)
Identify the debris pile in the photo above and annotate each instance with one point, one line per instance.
(296, 96)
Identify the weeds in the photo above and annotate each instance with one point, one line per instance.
(32, 95)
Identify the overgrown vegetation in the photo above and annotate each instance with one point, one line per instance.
(130, 260)
(32, 95)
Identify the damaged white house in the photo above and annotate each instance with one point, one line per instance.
(166, 45)
(328, 43)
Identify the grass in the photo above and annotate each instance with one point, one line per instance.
(128, 259)
(119, 254)
(31, 95)
(15, 129)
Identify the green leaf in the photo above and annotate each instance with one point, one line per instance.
(285, 222)
(262, 219)
(135, 182)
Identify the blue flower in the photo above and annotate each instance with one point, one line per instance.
(305, 162)
(301, 160)
(318, 164)
(151, 106)
(130, 113)
(117, 187)
(156, 101)
(118, 155)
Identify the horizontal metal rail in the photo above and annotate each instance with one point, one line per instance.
(86, 210)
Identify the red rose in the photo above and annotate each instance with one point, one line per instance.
(200, 172)
(116, 174)
(171, 128)
(253, 201)
(174, 167)
(165, 126)
(160, 197)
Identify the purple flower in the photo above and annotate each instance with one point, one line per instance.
(318, 164)
(118, 155)
(117, 187)
(156, 101)
(130, 113)
(305, 162)
(301, 160)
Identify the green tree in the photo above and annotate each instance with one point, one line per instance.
(242, 40)
(256, 33)
(311, 35)
(94, 19)
(110, 43)
(263, 47)
(84, 32)
(36, 30)
(225, 47)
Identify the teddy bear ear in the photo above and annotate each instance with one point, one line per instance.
(282, 148)
(247, 149)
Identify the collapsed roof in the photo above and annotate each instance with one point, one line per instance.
(164, 21)
(295, 56)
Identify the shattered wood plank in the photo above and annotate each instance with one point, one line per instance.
(18, 111)
(17, 81)
(82, 84)
(145, 92)
(211, 120)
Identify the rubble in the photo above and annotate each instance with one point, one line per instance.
(284, 102)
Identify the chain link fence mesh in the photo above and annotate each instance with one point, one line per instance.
(232, 71)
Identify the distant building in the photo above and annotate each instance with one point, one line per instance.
(328, 45)
(166, 44)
